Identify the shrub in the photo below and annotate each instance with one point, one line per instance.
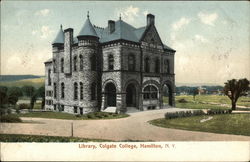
(10, 118)
(182, 100)
(8, 111)
(78, 115)
(24, 106)
(181, 114)
(218, 111)
(17, 111)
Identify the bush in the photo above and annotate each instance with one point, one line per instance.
(218, 111)
(181, 114)
(8, 111)
(10, 118)
(17, 111)
(78, 115)
(182, 100)
(24, 106)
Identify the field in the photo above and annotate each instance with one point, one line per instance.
(237, 124)
(37, 82)
(210, 102)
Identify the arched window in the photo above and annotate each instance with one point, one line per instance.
(49, 77)
(131, 62)
(54, 65)
(111, 62)
(157, 65)
(75, 63)
(93, 91)
(146, 65)
(62, 65)
(55, 90)
(93, 63)
(81, 62)
(62, 90)
(166, 66)
(75, 91)
(150, 92)
(81, 90)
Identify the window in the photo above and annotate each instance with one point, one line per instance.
(93, 91)
(75, 109)
(166, 66)
(150, 92)
(54, 90)
(111, 62)
(81, 90)
(75, 63)
(81, 62)
(54, 66)
(54, 107)
(75, 91)
(62, 107)
(157, 65)
(49, 77)
(62, 65)
(93, 63)
(146, 65)
(62, 90)
(131, 62)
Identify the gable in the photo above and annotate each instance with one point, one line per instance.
(151, 36)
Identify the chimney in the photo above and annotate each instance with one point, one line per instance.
(150, 19)
(68, 41)
(111, 26)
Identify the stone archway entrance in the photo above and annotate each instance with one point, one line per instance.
(110, 92)
(131, 95)
(167, 95)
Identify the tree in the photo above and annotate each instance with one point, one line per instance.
(195, 92)
(235, 89)
(3, 96)
(28, 90)
(41, 93)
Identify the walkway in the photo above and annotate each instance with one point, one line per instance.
(134, 127)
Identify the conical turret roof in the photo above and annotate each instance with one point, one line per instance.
(60, 37)
(88, 29)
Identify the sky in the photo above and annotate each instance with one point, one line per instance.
(211, 39)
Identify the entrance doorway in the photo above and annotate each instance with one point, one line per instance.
(81, 110)
(167, 95)
(110, 92)
(131, 95)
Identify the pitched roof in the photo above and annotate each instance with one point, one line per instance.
(48, 61)
(60, 36)
(88, 29)
(167, 47)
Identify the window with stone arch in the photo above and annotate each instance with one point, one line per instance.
(147, 65)
(93, 91)
(75, 63)
(55, 88)
(75, 91)
(111, 62)
(81, 90)
(150, 92)
(81, 62)
(157, 65)
(62, 65)
(131, 62)
(49, 77)
(166, 66)
(62, 90)
(54, 65)
(93, 62)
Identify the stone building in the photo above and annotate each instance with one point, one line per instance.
(117, 66)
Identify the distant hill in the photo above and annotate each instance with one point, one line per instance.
(197, 84)
(7, 78)
(36, 82)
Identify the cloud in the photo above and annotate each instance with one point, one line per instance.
(128, 13)
(45, 32)
(200, 38)
(43, 12)
(208, 19)
(179, 24)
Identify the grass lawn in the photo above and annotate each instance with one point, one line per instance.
(61, 115)
(242, 101)
(191, 105)
(39, 138)
(237, 124)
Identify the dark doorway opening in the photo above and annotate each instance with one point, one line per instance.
(167, 95)
(131, 95)
(81, 110)
(110, 92)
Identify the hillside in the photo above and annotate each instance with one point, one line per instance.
(7, 78)
(36, 82)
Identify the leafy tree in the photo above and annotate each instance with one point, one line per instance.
(41, 93)
(195, 92)
(28, 90)
(3, 96)
(16, 91)
(235, 89)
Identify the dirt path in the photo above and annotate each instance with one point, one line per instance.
(134, 127)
